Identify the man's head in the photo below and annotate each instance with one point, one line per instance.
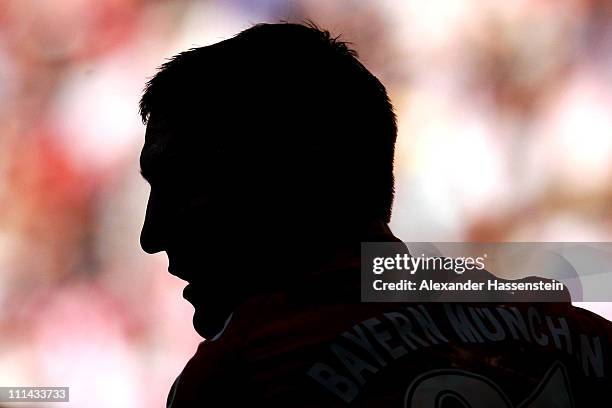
(276, 136)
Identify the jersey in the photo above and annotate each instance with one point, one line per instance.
(317, 345)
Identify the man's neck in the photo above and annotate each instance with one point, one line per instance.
(315, 252)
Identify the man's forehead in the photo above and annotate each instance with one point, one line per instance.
(157, 136)
(157, 131)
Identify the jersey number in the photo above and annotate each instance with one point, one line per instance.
(458, 388)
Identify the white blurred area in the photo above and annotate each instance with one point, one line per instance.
(505, 116)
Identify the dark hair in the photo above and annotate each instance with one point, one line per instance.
(297, 97)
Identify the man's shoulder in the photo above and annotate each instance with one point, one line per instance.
(280, 348)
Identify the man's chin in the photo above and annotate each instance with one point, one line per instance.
(208, 325)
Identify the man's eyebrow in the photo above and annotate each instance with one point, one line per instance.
(153, 164)
(146, 167)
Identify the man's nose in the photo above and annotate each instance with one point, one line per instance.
(152, 234)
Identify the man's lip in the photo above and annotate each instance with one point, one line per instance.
(188, 292)
(173, 271)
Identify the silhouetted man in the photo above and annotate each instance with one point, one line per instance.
(270, 159)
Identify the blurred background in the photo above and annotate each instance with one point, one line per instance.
(505, 118)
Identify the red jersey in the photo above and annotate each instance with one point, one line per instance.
(317, 345)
